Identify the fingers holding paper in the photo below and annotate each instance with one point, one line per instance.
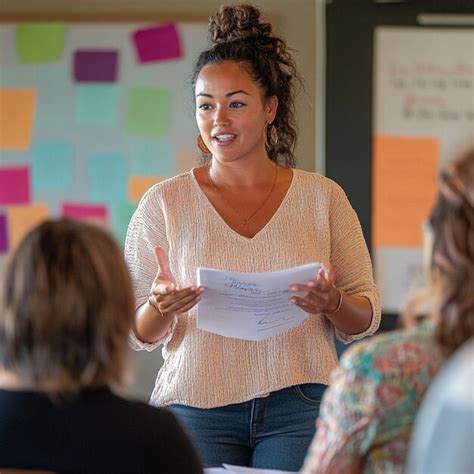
(168, 297)
(319, 295)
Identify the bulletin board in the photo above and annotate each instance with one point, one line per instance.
(383, 108)
(423, 117)
(91, 115)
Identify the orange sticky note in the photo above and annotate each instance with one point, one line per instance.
(139, 185)
(404, 174)
(17, 109)
(187, 160)
(23, 218)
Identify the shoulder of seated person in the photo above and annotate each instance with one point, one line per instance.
(383, 344)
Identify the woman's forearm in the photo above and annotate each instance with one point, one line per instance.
(354, 315)
(151, 325)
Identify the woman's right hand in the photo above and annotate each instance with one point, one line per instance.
(168, 297)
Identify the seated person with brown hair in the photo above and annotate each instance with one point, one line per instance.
(66, 309)
(368, 411)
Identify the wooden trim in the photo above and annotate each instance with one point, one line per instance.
(102, 17)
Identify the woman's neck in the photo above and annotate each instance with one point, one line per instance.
(241, 173)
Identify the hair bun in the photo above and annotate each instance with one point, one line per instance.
(237, 22)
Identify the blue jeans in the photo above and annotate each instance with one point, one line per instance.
(272, 432)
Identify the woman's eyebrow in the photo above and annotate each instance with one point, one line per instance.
(229, 94)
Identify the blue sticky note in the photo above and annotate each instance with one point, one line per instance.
(121, 215)
(107, 179)
(96, 104)
(51, 165)
(152, 158)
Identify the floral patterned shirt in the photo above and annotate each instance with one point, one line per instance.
(368, 411)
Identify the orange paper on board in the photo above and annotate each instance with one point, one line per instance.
(23, 218)
(404, 174)
(139, 185)
(17, 109)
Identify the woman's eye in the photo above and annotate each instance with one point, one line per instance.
(204, 107)
(237, 105)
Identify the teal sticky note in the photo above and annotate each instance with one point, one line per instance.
(39, 42)
(51, 165)
(96, 104)
(121, 215)
(107, 179)
(147, 112)
(152, 158)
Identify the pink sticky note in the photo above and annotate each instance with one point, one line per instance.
(95, 66)
(3, 234)
(15, 185)
(158, 43)
(82, 212)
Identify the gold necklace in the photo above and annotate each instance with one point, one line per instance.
(245, 220)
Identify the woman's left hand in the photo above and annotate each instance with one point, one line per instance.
(321, 296)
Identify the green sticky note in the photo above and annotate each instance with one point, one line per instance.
(39, 42)
(147, 112)
(121, 215)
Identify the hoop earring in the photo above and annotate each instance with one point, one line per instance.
(271, 135)
(202, 146)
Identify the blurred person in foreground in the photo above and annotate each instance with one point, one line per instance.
(444, 427)
(368, 411)
(66, 308)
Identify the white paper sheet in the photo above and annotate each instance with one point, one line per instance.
(230, 469)
(251, 306)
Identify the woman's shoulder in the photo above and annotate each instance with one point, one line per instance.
(175, 185)
(135, 409)
(317, 182)
(395, 351)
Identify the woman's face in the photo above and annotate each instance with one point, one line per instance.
(231, 113)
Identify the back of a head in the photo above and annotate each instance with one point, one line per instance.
(452, 261)
(238, 33)
(66, 308)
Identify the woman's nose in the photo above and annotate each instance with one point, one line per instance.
(221, 117)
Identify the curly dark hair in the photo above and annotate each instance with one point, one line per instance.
(239, 35)
(452, 261)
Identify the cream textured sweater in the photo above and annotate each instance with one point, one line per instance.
(314, 223)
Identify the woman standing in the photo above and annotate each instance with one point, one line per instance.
(247, 209)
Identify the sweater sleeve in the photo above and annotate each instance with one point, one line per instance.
(351, 259)
(147, 229)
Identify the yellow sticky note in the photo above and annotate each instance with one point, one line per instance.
(17, 109)
(403, 188)
(139, 185)
(21, 219)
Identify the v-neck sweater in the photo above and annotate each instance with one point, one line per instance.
(314, 223)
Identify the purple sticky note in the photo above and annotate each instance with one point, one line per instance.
(82, 212)
(15, 185)
(158, 43)
(95, 66)
(3, 234)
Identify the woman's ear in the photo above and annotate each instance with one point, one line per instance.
(271, 107)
